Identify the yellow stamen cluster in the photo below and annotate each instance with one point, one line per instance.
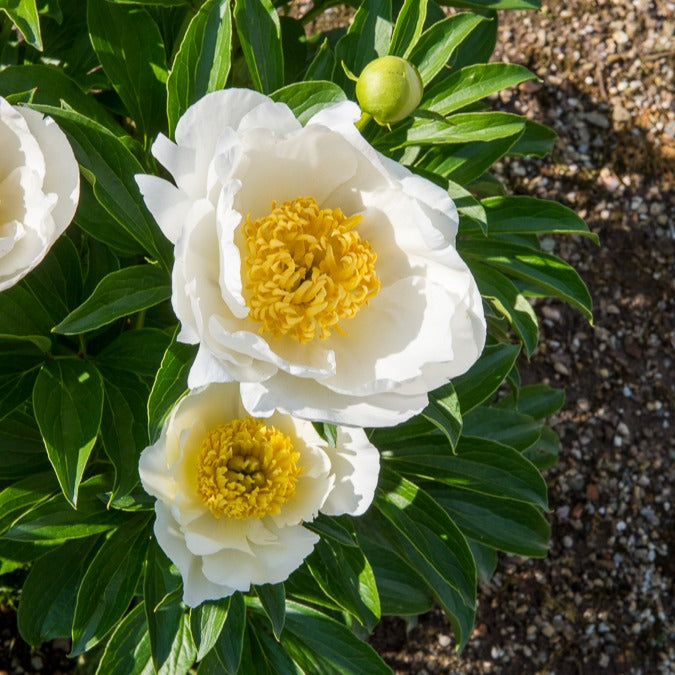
(246, 469)
(307, 269)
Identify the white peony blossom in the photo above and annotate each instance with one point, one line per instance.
(39, 189)
(233, 492)
(309, 267)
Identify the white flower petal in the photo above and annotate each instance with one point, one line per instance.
(311, 400)
(168, 205)
(62, 176)
(356, 463)
(269, 564)
(196, 587)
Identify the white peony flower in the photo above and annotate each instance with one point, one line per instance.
(233, 491)
(309, 267)
(39, 189)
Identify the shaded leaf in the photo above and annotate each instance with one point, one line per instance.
(68, 403)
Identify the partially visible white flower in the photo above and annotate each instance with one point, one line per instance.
(233, 492)
(39, 189)
(320, 274)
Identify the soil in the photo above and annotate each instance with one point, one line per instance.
(602, 599)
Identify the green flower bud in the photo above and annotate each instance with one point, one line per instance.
(389, 89)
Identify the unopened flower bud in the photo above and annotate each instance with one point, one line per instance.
(389, 89)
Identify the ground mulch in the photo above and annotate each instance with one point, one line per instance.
(602, 599)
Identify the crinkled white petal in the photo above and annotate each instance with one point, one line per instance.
(271, 563)
(356, 463)
(196, 587)
(312, 400)
(62, 176)
(168, 205)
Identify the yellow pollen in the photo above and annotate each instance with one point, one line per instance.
(307, 269)
(246, 469)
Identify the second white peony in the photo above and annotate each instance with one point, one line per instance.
(233, 492)
(309, 267)
(39, 189)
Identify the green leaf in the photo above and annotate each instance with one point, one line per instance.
(400, 589)
(345, 576)
(259, 33)
(480, 45)
(24, 495)
(273, 600)
(24, 16)
(128, 650)
(229, 645)
(23, 451)
(68, 403)
(408, 28)
(21, 354)
(480, 465)
(503, 524)
(109, 166)
(138, 351)
(459, 128)
(546, 272)
(437, 44)
(486, 560)
(119, 294)
(43, 298)
(306, 99)
(539, 401)
(537, 139)
(49, 593)
(163, 618)
(468, 206)
(444, 412)
(268, 656)
(124, 435)
(53, 520)
(17, 554)
(466, 162)
(485, 376)
(203, 59)
(504, 426)
(333, 528)
(322, 65)
(319, 644)
(183, 650)
(52, 87)
(429, 538)
(528, 215)
(130, 48)
(472, 84)
(544, 453)
(170, 384)
(93, 219)
(508, 301)
(207, 622)
(109, 583)
(494, 4)
(368, 37)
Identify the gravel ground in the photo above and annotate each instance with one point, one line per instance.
(602, 600)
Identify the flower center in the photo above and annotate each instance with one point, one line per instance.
(307, 269)
(246, 469)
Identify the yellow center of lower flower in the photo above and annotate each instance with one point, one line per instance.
(246, 469)
(307, 269)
